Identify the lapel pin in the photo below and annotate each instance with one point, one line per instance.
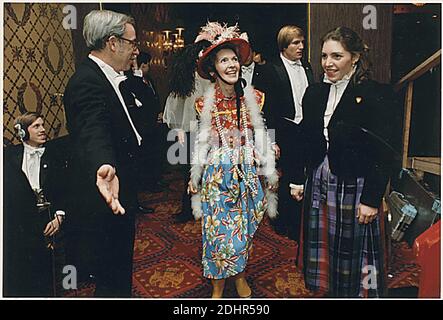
(358, 99)
(45, 166)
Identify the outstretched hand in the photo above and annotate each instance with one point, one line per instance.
(108, 186)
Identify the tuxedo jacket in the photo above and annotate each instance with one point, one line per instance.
(273, 80)
(20, 200)
(364, 127)
(100, 133)
(257, 73)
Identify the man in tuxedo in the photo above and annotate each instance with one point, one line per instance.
(251, 69)
(105, 142)
(145, 109)
(32, 211)
(284, 82)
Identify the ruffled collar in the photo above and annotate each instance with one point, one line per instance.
(341, 82)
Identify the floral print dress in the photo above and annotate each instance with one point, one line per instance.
(232, 209)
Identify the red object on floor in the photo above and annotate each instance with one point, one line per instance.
(427, 252)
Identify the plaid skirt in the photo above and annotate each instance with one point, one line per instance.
(341, 258)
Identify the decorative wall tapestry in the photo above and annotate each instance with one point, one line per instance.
(38, 61)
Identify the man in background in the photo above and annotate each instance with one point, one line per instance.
(284, 82)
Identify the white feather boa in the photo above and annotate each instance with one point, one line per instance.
(265, 156)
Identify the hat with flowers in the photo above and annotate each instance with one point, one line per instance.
(218, 35)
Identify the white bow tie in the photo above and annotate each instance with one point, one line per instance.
(247, 69)
(296, 64)
(36, 151)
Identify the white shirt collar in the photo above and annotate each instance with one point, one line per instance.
(32, 150)
(340, 82)
(117, 77)
(290, 62)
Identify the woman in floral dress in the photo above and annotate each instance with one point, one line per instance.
(233, 176)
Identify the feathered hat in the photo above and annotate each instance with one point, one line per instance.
(219, 34)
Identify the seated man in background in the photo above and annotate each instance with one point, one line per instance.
(32, 217)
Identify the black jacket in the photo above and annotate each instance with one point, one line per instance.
(100, 133)
(274, 81)
(279, 104)
(361, 132)
(27, 265)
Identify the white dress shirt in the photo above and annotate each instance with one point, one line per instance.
(299, 83)
(247, 73)
(335, 93)
(31, 168)
(31, 164)
(115, 79)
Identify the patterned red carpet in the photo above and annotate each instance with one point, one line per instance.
(403, 272)
(167, 261)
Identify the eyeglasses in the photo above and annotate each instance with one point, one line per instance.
(135, 44)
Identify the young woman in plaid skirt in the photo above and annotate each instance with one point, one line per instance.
(348, 128)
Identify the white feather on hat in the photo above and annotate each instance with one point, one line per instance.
(215, 33)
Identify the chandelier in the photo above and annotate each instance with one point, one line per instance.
(161, 44)
(166, 40)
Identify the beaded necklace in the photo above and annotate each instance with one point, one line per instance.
(249, 177)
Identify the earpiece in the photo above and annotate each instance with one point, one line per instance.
(20, 131)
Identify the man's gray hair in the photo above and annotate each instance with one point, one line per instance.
(99, 25)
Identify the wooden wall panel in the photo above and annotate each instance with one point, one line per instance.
(326, 16)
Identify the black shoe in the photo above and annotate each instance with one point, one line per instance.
(145, 210)
(183, 218)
